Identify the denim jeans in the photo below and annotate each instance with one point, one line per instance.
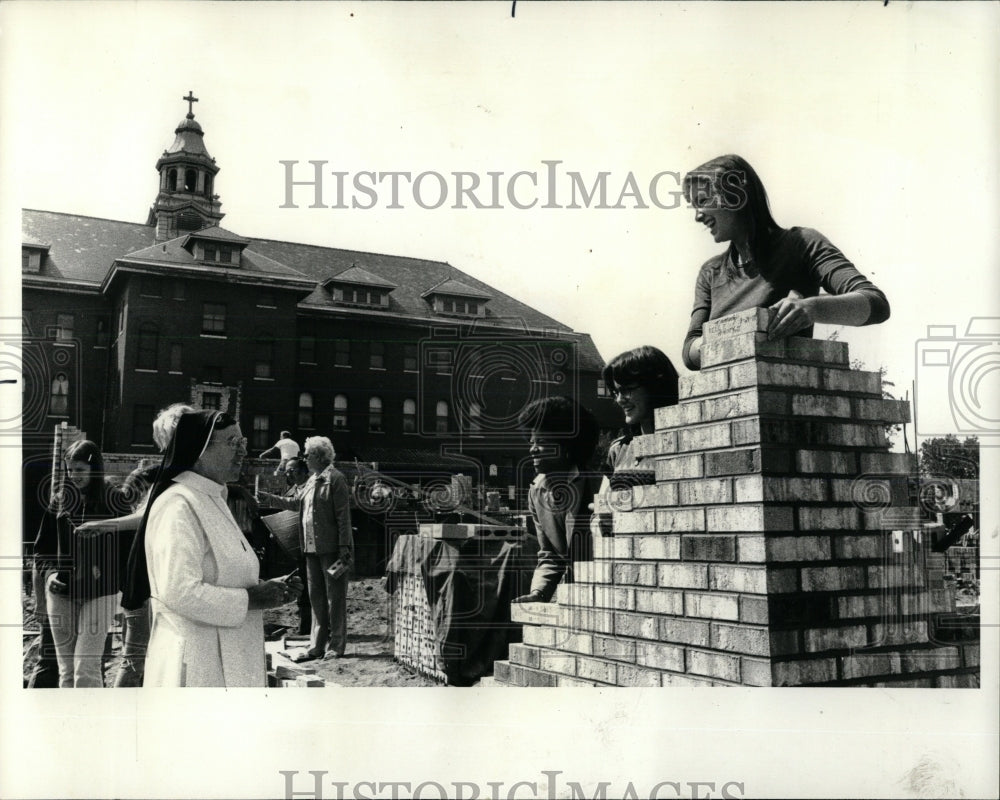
(136, 641)
(79, 630)
(45, 674)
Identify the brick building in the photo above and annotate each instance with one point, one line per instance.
(408, 363)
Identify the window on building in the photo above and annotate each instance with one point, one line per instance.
(376, 358)
(142, 424)
(213, 319)
(176, 353)
(340, 411)
(31, 260)
(148, 345)
(409, 416)
(59, 398)
(210, 251)
(305, 410)
(261, 432)
(211, 374)
(375, 414)
(178, 290)
(151, 286)
(264, 358)
(190, 180)
(342, 353)
(266, 300)
(441, 417)
(172, 180)
(101, 335)
(226, 255)
(121, 319)
(410, 357)
(64, 327)
(307, 350)
(211, 401)
(475, 418)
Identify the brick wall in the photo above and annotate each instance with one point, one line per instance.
(772, 550)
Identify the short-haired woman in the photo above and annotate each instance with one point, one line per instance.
(768, 266)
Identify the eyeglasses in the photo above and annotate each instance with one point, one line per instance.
(236, 442)
(625, 391)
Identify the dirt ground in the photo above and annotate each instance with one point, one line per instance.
(367, 662)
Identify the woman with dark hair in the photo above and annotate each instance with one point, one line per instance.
(640, 380)
(191, 558)
(768, 266)
(81, 583)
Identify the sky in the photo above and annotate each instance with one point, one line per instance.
(876, 125)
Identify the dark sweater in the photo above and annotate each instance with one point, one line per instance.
(796, 258)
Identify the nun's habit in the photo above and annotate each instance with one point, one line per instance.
(198, 565)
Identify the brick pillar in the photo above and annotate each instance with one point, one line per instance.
(775, 548)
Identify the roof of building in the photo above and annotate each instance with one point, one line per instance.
(83, 249)
(362, 277)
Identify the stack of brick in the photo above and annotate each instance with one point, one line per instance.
(767, 553)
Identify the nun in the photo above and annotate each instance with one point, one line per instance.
(191, 560)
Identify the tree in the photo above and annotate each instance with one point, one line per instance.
(949, 456)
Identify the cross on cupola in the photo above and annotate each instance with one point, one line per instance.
(191, 100)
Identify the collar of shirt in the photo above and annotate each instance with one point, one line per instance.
(200, 483)
(541, 480)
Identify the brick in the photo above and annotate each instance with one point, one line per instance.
(749, 402)
(603, 546)
(659, 601)
(707, 547)
(573, 683)
(889, 463)
(592, 620)
(771, 489)
(728, 578)
(857, 547)
(595, 669)
(930, 660)
(750, 548)
(649, 445)
(687, 412)
(621, 548)
(714, 665)
(660, 494)
(592, 572)
(894, 576)
(798, 548)
(634, 522)
(898, 632)
(826, 461)
(539, 637)
(740, 639)
(553, 661)
(574, 642)
(524, 655)
(683, 576)
(703, 492)
(755, 671)
(785, 643)
(819, 639)
(799, 348)
(658, 546)
(854, 381)
(746, 431)
(711, 606)
(891, 411)
(576, 594)
(797, 673)
(309, 681)
(673, 679)
(753, 609)
(660, 656)
(750, 320)
(769, 374)
(750, 517)
(539, 614)
(684, 631)
(820, 405)
(634, 574)
(535, 678)
(636, 626)
(616, 597)
(637, 676)
(733, 462)
(829, 519)
(865, 665)
(501, 671)
(616, 649)
(832, 579)
(704, 437)
(677, 467)
(966, 681)
(680, 519)
(970, 655)
(701, 383)
(911, 683)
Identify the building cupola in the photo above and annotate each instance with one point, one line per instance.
(186, 201)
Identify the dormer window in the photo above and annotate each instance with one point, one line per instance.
(31, 258)
(215, 253)
(456, 299)
(359, 287)
(361, 296)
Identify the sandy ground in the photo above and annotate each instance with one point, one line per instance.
(367, 662)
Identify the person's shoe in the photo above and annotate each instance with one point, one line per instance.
(530, 597)
(332, 655)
